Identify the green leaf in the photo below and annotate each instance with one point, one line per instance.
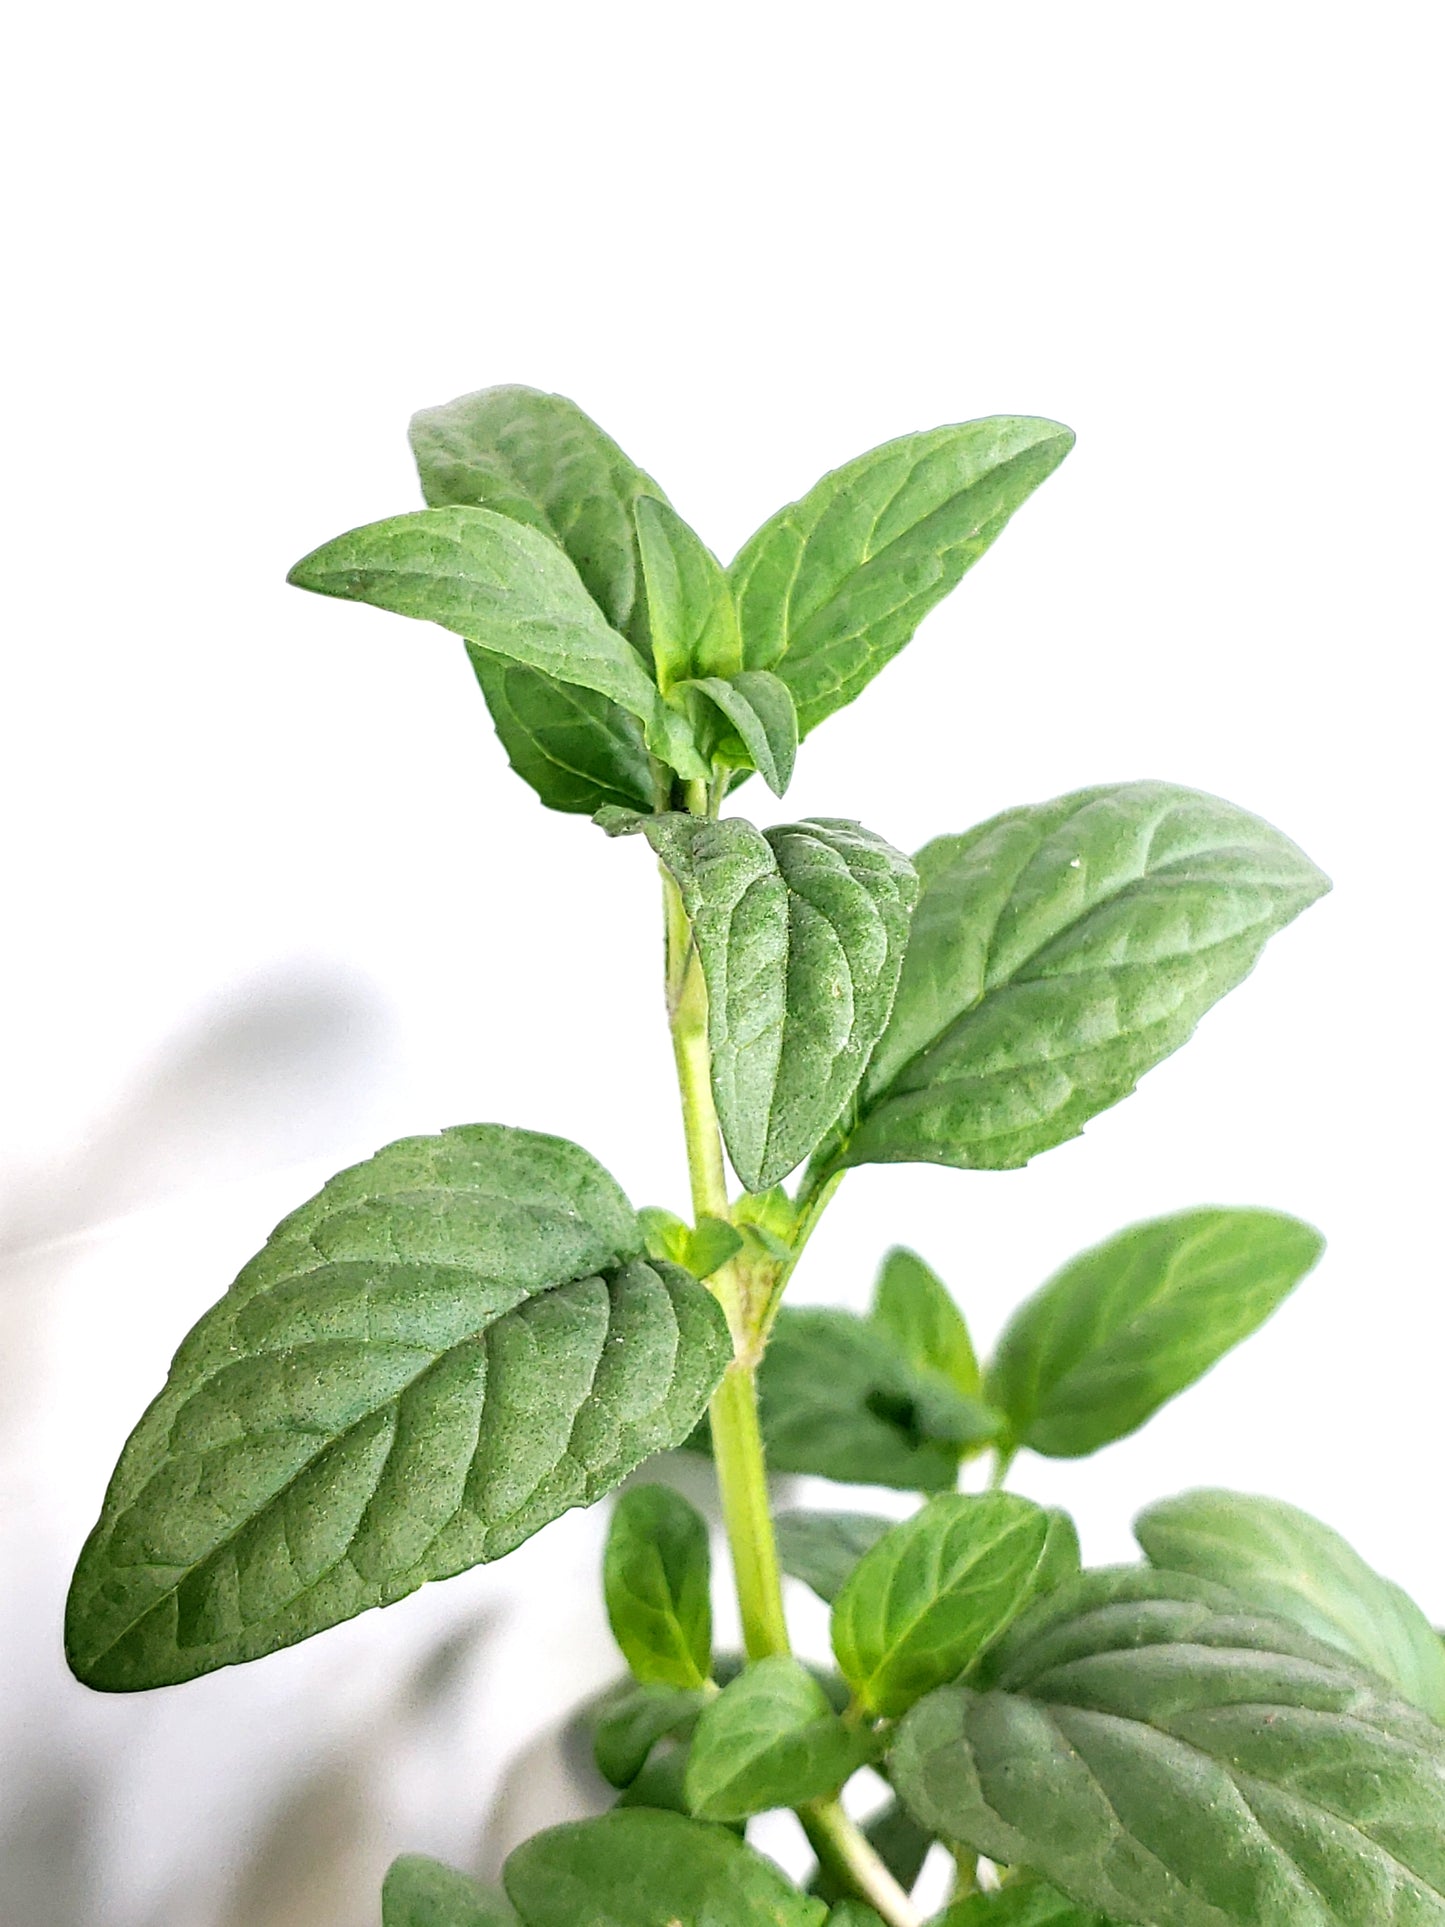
(933, 1593)
(1022, 1903)
(840, 1401)
(833, 586)
(853, 1913)
(760, 709)
(1132, 1322)
(510, 592)
(770, 1739)
(639, 1867)
(1057, 953)
(702, 1250)
(1061, 1559)
(822, 1548)
(801, 931)
(1280, 1560)
(690, 606)
(900, 1843)
(914, 1306)
(449, 1346)
(1161, 1755)
(630, 1724)
(418, 1892)
(655, 1574)
(578, 751)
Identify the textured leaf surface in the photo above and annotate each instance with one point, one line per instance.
(770, 1739)
(446, 1348)
(507, 589)
(929, 1597)
(639, 1868)
(578, 751)
(418, 1892)
(1130, 1323)
(801, 932)
(1057, 953)
(690, 606)
(834, 585)
(822, 1548)
(760, 710)
(655, 1577)
(840, 1401)
(631, 1723)
(1280, 1560)
(914, 1306)
(1172, 1760)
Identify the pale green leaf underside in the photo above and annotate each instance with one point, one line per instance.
(822, 1548)
(642, 1868)
(1280, 1560)
(1159, 1753)
(1057, 953)
(923, 1603)
(917, 1310)
(770, 1739)
(1127, 1325)
(760, 709)
(419, 1892)
(801, 932)
(446, 1348)
(690, 606)
(655, 1576)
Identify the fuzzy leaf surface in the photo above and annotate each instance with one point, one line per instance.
(801, 931)
(1057, 953)
(637, 1867)
(834, 585)
(419, 1892)
(922, 1604)
(770, 1739)
(655, 1575)
(914, 1306)
(690, 606)
(1163, 1755)
(1126, 1326)
(445, 1349)
(1280, 1560)
(760, 710)
(822, 1548)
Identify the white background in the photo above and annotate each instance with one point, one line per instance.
(275, 898)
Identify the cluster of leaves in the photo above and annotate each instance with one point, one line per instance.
(468, 1334)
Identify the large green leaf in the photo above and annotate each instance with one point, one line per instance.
(801, 932)
(655, 1575)
(1282, 1561)
(509, 591)
(914, 1306)
(418, 1892)
(578, 751)
(834, 585)
(929, 1597)
(770, 1739)
(690, 606)
(1057, 953)
(822, 1548)
(1124, 1327)
(1163, 1755)
(446, 1348)
(636, 1867)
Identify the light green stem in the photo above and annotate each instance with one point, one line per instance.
(847, 1855)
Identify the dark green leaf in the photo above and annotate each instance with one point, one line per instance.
(1280, 1560)
(643, 1868)
(822, 1548)
(1124, 1327)
(801, 933)
(770, 1739)
(933, 1593)
(760, 710)
(690, 606)
(1174, 1761)
(655, 1574)
(833, 586)
(900, 1843)
(1057, 953)
(509, 591)
(418, 1892)
(631, 1723)
(913, 1305)
(578, 751)
(1022, 1903)
(445, 1349)
(853, 1913)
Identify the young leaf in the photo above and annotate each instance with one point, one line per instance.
(655, 1575)
(760, 709)
(924, 1602)
(1057, 953)
(1022, 1903)
(690, 606)
(510, 592)
(899, 1842)
(822, 1548)
(701, 1249)
(1061, 1559)
(833, 586)
(1164, 1757)
(630, 1724)
(1132, 1322)
(801, 932)
(449, 1346)
(913, 1305)
(579, 751)
(770, 1739)
(418, 1892)
(1280, 1560)
(840, 1401)
(637, 1867)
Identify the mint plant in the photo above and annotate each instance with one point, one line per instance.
(461, 1338)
